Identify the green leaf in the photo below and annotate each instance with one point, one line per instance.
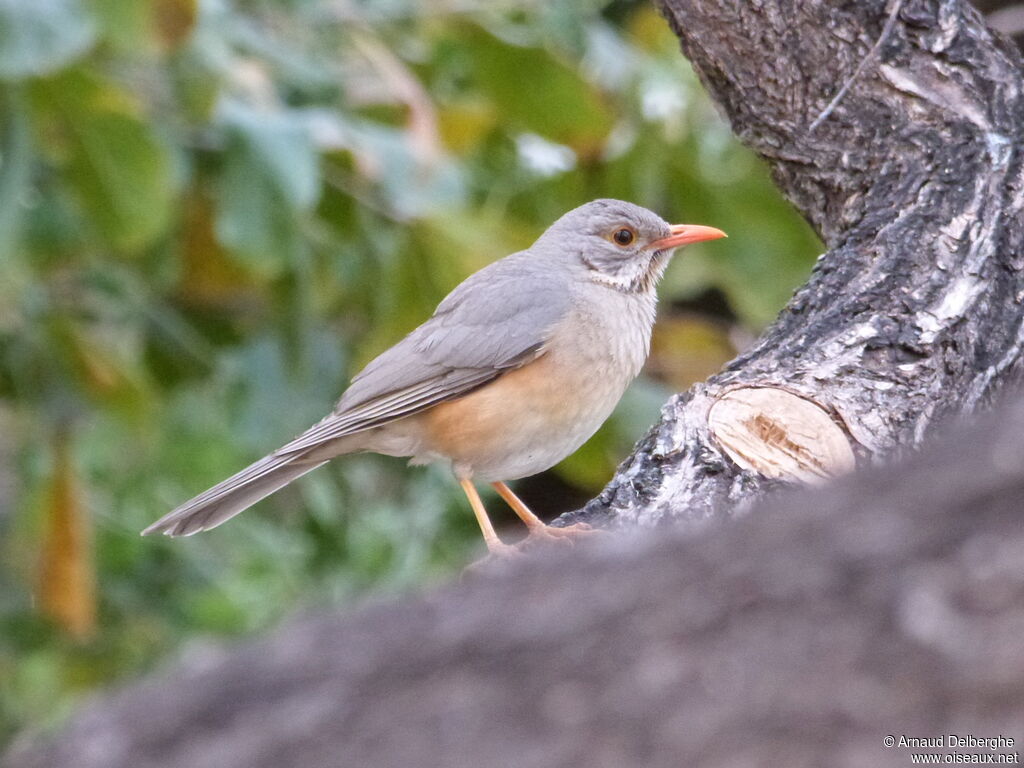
(38, 37)
(413, 187)
(116, 160)
(270, 181)
(536, 92)
(281, 146)
(15, 169)
(125, 26)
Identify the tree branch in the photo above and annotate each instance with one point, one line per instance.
(800, 636)
(896, 130)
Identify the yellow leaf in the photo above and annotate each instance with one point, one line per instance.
(174, 21)
(97, 367)
(209, 277)
(67, 579)
(686, 349)
(465, 124)
(648, 31)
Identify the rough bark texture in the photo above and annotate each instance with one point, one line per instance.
(896, 129)
(892, 603)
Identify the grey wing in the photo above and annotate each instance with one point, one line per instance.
(496, 320)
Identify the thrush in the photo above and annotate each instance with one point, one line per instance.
(515, 370)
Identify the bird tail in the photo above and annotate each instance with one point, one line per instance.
(236, 494)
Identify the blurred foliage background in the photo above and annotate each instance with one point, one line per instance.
(212, 213)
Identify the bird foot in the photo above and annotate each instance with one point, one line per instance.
(497, 553)
(540, 534)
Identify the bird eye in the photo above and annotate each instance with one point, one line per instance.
(624, 236)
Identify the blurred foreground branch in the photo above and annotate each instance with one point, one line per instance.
(895, 128)
(801, 635)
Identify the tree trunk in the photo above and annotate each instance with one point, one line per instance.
(895, 128)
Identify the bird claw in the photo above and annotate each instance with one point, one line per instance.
(545, 533)
(498, 553)
(540, 535)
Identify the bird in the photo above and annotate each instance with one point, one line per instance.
(518, 366)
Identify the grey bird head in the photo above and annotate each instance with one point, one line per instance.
(620, 244)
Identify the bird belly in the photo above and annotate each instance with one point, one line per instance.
(525, 421)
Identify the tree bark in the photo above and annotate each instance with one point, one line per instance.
(801, 635)
(895, 128)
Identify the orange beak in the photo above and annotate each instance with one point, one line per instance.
(684, 234)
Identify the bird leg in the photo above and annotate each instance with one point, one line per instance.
(537, 527)
(494, 545)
